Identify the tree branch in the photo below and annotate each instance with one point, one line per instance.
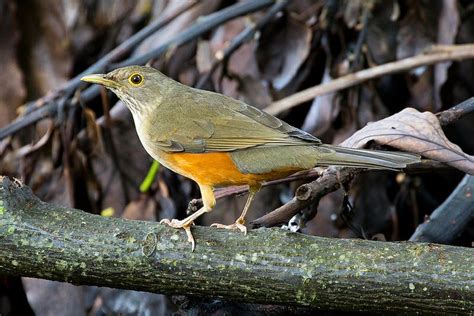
(270, 266)
(436, 54)
(310, 193)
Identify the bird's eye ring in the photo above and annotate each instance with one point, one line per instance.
(136, 80)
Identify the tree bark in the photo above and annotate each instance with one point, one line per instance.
(269, 266)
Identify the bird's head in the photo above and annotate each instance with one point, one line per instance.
(139, 87)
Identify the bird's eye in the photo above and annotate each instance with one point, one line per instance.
(136, 80)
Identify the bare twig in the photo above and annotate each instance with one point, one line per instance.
(456, 112)
(435, 55)
(307, 194)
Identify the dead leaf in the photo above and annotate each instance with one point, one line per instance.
(352, 12)
(88, 21)
(323, 224)
(13, 91)
(254, 91)
(282, 51)
(449, 21)
(244, 62)
(323, 110)
(423, 19)
(29, 148)
(382, 30)
(413, 131)
(142, 208)
(225, 33)
(110, 13)
(57, 294)
(241, 67)
(93, 131)
(421, 88)
(45, 45)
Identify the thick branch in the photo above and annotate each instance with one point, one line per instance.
(273, 266)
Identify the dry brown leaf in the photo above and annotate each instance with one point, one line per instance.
(142, 208)
(32, 147)
(449, 20)
(243, 61)
(46, 45)
(13, 91)
(241, 66)
(352, 12)
(423, 19)
(94, 134)
(413, 131)
(381, 31)
(57, 294)
(282, 51)
(254, 91)
(323, 110)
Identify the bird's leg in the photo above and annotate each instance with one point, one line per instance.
(186, 224)
(240, 222)
(209, 202)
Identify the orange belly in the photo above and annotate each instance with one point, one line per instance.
(216, 169)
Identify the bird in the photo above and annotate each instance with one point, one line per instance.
(219, 141)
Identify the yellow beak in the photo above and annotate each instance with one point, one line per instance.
(99, 79)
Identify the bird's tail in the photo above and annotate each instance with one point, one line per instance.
(362, 158)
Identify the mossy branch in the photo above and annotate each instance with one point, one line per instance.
(270, 266)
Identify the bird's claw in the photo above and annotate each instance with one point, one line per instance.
(184, 225)
(237, 225)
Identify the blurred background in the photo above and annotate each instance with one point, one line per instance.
(77, 146)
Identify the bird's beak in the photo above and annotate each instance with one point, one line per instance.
(100, 79)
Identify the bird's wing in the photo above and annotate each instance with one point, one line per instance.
(223, 124)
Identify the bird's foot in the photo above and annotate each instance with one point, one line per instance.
(186, 225)
(239, 224)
